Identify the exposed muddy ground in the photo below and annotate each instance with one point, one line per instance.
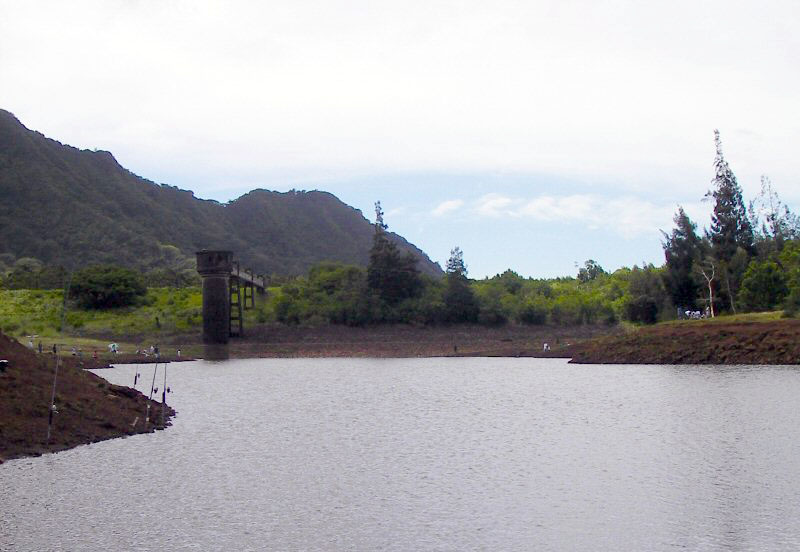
(89, 409)
(411, 341)
(698, 342)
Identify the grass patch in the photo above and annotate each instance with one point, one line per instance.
(163, 311)
(748, 317)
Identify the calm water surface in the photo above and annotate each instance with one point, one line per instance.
(430, 454)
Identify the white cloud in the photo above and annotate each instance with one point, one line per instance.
(446, 207)
(391, 213)
(494, 205)
(572, 207)
(626, 216)
(617, 98)
(627, 91)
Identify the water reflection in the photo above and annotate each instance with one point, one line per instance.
(216, 352)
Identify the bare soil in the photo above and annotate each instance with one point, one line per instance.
(89, 409)
(412, 341)
(698, 342)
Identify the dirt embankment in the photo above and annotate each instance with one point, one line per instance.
(698, 342)
(89, 409)
(411, 341)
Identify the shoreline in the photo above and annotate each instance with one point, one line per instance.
(386, 341)
(722, 341)
(271, 341)
(88, 409)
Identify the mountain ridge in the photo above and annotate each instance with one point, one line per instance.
(67, 206)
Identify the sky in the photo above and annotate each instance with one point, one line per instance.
(532, 134)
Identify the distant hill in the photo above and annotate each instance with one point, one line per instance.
(72, 207)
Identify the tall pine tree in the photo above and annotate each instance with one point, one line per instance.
(459, 300)
(730, 227)
(393, 275)
(681, 251)
(731, 234)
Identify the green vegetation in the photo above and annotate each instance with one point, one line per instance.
(106, 287)
(391, 275)
(339, 294)
(460, 304)
(747, 260)
(162, 310)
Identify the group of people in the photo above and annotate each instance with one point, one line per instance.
(113, 348)
(152, 351)
(74, 350)
(693, 314)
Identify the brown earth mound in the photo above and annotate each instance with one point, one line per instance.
(89, 409)
(698, 342)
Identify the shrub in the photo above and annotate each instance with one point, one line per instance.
(104, 287)
(641, 309)
(567, 310)
(764, 286)
(534, 310)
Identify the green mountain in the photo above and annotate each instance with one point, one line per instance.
(73, 207)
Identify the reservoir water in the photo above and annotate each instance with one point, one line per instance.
(430, 454)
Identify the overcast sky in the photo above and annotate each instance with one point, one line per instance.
(533, 135)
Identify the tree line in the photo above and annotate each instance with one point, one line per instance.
(391, 290)
(748, 259)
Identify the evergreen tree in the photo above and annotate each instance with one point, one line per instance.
(681, 251)
(392, 275)
(731, 235)
(455, 264)
(730, 227)
(459, 300)
(591, 270)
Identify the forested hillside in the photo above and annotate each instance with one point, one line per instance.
(70, 207)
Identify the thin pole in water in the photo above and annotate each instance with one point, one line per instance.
(52, 405)
(164, 396)
(152, 386)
